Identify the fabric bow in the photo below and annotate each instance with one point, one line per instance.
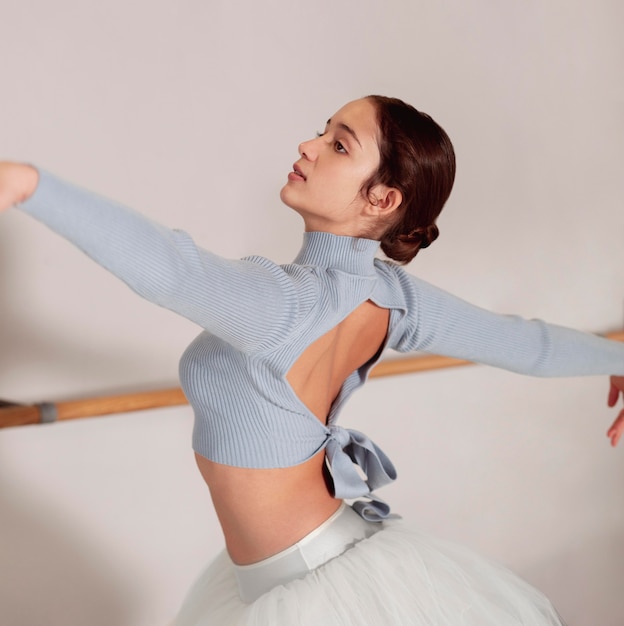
(347, 448)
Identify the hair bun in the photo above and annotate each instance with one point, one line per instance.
(423, 236)
(428, 235)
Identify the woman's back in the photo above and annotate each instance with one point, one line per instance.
(263, 511)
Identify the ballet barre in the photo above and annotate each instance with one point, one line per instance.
(47, 412)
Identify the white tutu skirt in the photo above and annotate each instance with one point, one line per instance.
(398, 576)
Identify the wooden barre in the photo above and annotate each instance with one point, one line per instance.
(22, 415)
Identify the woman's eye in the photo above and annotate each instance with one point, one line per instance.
(337, 144)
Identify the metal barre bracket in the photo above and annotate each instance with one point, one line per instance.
(47, 412)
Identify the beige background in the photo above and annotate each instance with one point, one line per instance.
(192, 111)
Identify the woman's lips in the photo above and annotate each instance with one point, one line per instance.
(296, 174)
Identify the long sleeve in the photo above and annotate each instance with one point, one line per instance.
(440, 323)
(249, 302)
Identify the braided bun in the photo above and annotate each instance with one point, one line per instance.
(403, 248)
(423, 237)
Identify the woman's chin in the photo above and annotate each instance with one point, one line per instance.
(287, 199)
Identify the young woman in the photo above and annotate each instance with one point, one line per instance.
(283, 348)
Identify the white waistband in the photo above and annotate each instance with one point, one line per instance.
(335, 535)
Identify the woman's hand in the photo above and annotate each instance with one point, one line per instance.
(617, 428)
(17, 183)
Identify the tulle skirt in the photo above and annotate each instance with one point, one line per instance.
(394, 576)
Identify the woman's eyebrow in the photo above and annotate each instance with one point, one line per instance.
(348, 129)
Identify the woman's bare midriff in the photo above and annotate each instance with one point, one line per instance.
(264, 511)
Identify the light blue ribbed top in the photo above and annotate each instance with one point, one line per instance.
(258, 317)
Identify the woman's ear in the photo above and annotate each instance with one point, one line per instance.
(384, 200)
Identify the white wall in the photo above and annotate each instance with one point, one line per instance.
(192, 111)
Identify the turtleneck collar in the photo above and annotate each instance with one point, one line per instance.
(349, 254)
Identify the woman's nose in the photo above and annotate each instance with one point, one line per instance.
(308, 150)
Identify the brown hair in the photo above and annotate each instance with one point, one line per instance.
(417, 158)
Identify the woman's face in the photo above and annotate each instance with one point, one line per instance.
(325, 186)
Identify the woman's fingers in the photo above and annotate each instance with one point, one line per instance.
(614, 392)
(617, 429)
(17, 183)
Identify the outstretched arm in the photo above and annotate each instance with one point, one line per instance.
(248, 303)
(17, 183)
(443, 324)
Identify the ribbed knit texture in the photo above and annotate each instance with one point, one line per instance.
(259, 317)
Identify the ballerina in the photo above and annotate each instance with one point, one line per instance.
(282, 349)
